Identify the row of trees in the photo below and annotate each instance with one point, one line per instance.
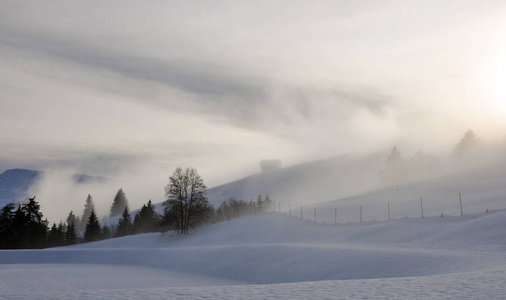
(120, 202)
(398, 169)
(186, 208)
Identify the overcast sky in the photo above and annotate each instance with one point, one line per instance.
(106, 87)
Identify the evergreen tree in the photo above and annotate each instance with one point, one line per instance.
(467, 144)
(71, 235)
(36, 226)
(88, 207)
(394, 170)
(71, 219)
(137, 225)
(119, 203)
(146, 220)
(56, 236)
(6, 216)
(106, 232)
(92, 231)
(124, 224)
(19, 229)
(267, 204)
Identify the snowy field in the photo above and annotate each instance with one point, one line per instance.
(274, 256)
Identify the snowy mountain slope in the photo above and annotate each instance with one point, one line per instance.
(465, 256)
(15, 183)
(307, 183)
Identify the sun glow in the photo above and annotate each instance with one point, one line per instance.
(495, 81)
(494, 68)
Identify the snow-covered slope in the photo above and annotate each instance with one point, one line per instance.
(451, 258)
(307, 183)
(478, 189)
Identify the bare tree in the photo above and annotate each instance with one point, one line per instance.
(186, 206)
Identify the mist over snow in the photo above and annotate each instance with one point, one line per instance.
(276, 256)
(388, 118)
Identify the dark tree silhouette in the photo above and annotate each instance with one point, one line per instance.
(124, 224)
(146, 220)
(6, 236)
(71, 235)
(92, 232)
(36, 227)
(186, 206)
(106, 232)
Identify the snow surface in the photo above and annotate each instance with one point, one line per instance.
(275, 256)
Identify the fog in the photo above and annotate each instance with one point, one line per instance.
(130, 91)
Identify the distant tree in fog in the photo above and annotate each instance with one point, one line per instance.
(89, 206)
(92, 231)
(467, 144)
(394, 168)
(119, 203)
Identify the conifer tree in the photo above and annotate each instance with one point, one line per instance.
(36, 226)
(124, 224)
(146, 220)
(71, 218)
(119, 203)
(71, 235)
(92, 232)
(6, 216)
(56, 236)
(88, 207)
(106, 232)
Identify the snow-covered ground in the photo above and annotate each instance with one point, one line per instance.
(276, 256)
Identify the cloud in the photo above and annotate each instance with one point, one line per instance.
(221, 86)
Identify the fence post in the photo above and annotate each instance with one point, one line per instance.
(388, 211)
(421, 206)
(461, 211)
(360, 213)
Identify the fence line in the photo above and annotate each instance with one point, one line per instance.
(448, 205)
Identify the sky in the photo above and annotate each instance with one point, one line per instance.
(118, 88)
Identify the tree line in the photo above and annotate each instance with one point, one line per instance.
(186, 207)
(398, 169)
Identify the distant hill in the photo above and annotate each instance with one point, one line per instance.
(307, 183)
(15, 183)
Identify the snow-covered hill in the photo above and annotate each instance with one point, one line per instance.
(308, 183)
(449, 258)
